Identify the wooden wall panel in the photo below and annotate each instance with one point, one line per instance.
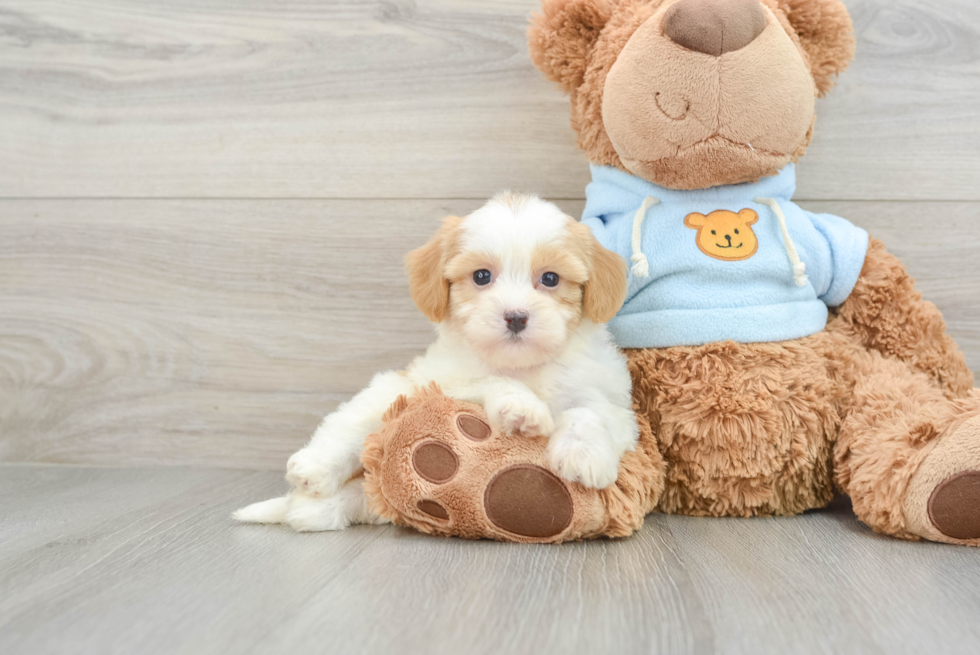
(399, 99)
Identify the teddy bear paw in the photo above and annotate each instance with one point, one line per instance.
(443, 469)
(942, 500)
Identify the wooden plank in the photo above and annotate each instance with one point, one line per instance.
(196, 326)
(428, 99)
(146, 561)
(217, 333)
(824, 583)
(136, 557)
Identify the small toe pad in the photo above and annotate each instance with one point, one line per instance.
(473, 428)
(434, 509)
(435, 462)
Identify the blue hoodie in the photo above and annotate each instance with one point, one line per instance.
(716, 264)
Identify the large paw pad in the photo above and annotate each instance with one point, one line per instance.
(529, 501)
(954, 506)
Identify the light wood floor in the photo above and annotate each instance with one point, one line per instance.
(203, 211)
(146, 561)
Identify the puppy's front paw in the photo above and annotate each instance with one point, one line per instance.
(313, 473)
(520, 414)
(580, 452)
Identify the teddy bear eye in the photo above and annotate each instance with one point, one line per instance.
(736, 231)
(482, 277)
(550, 279)
(713, 232)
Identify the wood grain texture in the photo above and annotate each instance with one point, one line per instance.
(426, 99)
(218, 333)
(144, 561)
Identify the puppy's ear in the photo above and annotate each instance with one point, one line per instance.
(426, 268)
(560, 38)
(605, 290)
(826, 34)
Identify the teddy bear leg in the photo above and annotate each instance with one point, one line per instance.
(909, 458)
(886, 313)
(439, 467)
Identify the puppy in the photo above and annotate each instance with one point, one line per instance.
(520, 294)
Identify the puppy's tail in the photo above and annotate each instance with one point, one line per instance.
(268, 511)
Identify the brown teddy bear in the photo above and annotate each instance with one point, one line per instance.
(777, 356)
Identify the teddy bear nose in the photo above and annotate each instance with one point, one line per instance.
(714, 27)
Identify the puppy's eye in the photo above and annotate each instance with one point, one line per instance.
(482, 277)
(550, 279)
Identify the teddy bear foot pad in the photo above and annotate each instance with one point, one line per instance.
(942, 502)
(438, 466)
(954, 507)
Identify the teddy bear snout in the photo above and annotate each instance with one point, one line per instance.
(714, 27)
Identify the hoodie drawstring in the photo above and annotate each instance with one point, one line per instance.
(641, 267)
(799, 268)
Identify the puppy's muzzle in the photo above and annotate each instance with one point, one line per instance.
(516, 321)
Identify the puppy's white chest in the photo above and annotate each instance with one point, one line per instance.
(544, 383)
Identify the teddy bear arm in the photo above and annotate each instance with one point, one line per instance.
(886, 313)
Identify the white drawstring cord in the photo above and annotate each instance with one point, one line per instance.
(799, 268)
(641, 267)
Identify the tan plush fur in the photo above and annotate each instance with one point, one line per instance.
(750, 429)
(825, 35)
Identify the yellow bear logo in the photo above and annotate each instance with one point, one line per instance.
(725, 235)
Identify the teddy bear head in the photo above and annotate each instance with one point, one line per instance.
(690, 94)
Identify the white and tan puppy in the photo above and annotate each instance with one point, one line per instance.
(519, 293)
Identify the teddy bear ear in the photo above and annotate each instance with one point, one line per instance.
(826, 34)
(561, 36)
(695, 220)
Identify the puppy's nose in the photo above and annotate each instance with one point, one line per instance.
(714, 27)
(516, 321)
